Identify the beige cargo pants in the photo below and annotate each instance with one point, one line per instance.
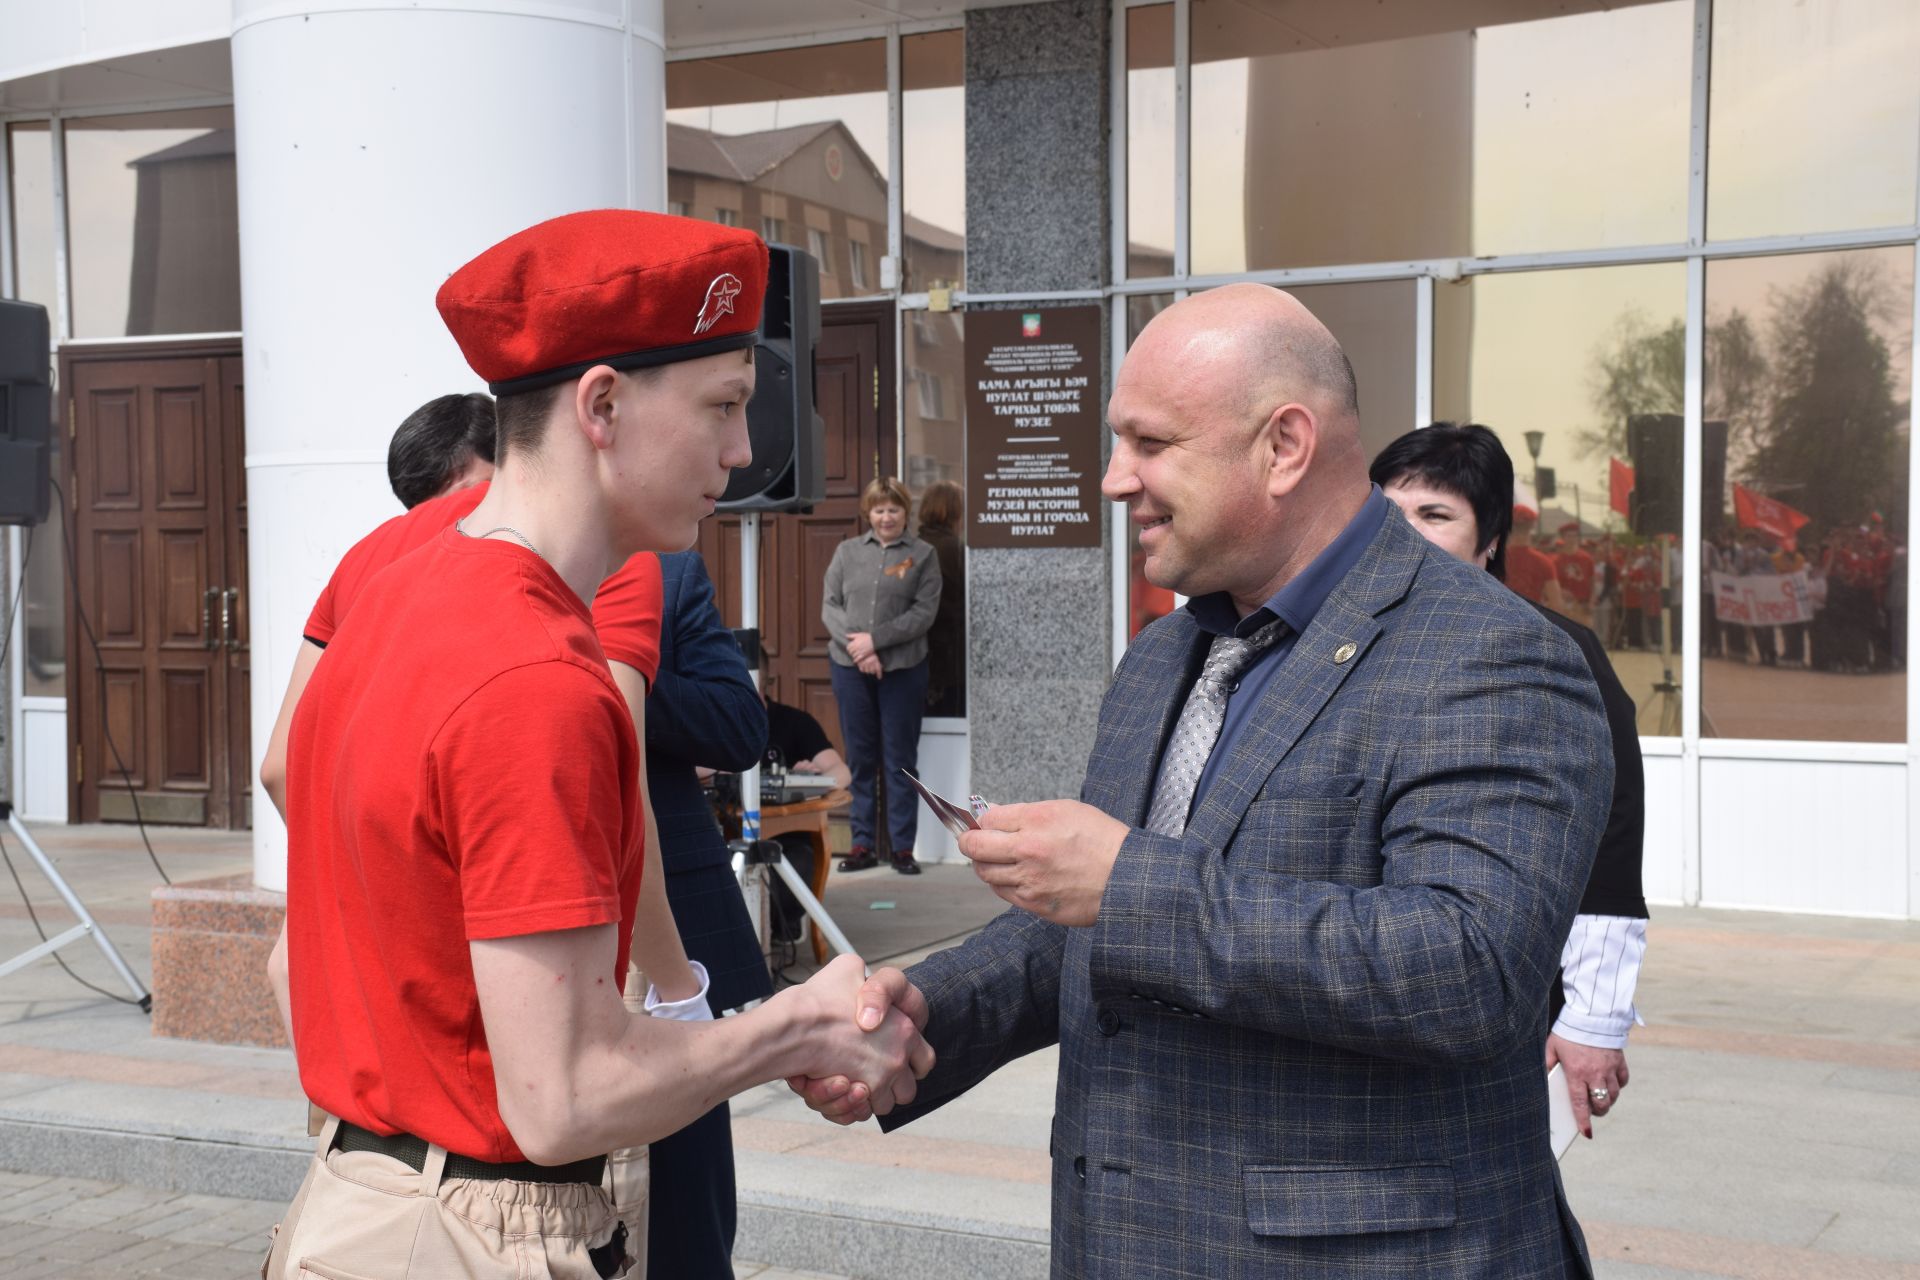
(363, 1216)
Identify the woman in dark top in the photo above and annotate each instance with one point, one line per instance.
(942, 511)
(1455, 485)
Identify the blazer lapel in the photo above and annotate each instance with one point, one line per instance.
(1331, 649)
(1149, 690)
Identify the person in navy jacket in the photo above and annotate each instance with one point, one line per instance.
(702, 712)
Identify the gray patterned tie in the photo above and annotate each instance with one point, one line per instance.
(1199, 726)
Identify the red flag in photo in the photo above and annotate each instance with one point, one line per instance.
(1620, 484)
(1757, 511)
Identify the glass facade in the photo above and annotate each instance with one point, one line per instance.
(44, 608)
(1150, 128)
(1804, 509)
(1395, 160)
(1813, 116)
(29, 160)
(933, 133)
(933, 408)
(791, 139)
(1326, 138)
(153, 224)
(1426, 149)
(1580, 374)
(30, 181)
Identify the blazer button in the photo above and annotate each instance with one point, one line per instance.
(1080, 1168)
(1108, 1022)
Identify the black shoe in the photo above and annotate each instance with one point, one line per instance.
(859, 858)
(906, 866)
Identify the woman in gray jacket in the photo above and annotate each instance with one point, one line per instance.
(882, 592)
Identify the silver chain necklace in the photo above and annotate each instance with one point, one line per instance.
(459, 527)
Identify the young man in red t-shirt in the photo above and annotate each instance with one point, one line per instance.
(626, 615)
(464, 818)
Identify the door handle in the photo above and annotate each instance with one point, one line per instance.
(207, 598)
(229, 598)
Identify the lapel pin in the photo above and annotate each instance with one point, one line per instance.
(1344, 652)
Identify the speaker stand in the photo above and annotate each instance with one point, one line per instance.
(87, 928)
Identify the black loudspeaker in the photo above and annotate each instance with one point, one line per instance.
(1653, 447)
(26, 413)
(788, 471)
(1545, 484)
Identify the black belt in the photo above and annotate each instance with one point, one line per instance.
(412, 1152)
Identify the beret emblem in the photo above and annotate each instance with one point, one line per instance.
(719, 301)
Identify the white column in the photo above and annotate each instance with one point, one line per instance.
(380, 146)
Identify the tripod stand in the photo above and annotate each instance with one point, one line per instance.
(1668, 691)
(86, 928)
(751, 854)
(753, 857)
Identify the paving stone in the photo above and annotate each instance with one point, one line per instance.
(21, 1239)
(178, 1221)
(219, 1264)
(152, 1255)
(43, 1270)
(88, 1246)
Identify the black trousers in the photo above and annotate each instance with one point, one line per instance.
(691, 1214)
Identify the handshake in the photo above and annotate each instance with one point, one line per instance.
(860, 1052)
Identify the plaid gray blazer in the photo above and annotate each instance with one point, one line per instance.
(1306, 1039)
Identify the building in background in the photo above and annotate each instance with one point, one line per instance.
(1665, 249)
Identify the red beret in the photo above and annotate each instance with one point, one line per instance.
(610, 286)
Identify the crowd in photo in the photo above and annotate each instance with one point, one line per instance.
(1837, 603)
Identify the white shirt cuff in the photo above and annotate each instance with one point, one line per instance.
(1600, 966)
(693, 1009)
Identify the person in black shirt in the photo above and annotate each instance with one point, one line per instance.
(797, 743)
(1455, 485)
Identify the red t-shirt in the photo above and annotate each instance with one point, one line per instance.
(462, 767)
(1529, 570)
(1575, 571)
(404, 533)
(626, 613)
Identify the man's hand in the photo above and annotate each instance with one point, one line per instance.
(877, 1053)
(870, 665)
(1587, 1069)
(1051, 859)
(887, 994)
(859, 647)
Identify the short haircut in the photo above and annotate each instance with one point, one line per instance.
(436, 442)
(1466, 460)
(883, 489)
(1304, 356)
(942, 505)
(523, 418)
(523, 415)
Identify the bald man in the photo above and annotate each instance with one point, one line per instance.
(1295, 938)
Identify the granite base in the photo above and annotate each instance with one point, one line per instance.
(211, 940)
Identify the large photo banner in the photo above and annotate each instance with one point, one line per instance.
(1762, 599)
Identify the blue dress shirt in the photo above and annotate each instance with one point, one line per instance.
(1296, 603)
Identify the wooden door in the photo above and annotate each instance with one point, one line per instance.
(853, 388)
(157, 482)
(236, 641)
